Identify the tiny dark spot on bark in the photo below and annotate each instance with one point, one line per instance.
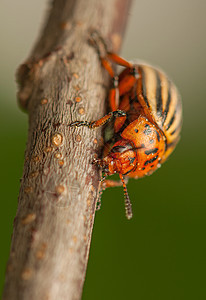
(57, 49)
(55, 125)
(70, 56)
(46, 55)
(70, 102)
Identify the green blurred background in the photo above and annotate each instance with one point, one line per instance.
(161, 253)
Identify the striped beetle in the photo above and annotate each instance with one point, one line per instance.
(146, 115)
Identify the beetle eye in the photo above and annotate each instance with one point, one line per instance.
(118, 149)
(121, 148)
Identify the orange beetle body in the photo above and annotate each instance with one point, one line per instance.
(151, 126)
(139, 150)
(146, 112)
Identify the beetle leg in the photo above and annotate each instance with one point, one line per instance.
(114, 94)
(120, 87)
(129, 81)
(128, 205)
(114, 91)
(106, 183)
(100, 122)
(98, 42)
(113, 183)
(119, 60)
(98, 205)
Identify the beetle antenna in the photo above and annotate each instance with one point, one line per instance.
(98, 205)
(128, 205)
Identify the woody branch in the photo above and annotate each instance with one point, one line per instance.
(60, 82)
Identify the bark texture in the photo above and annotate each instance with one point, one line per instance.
(60, 82)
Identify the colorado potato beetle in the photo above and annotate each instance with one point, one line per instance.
(146, 118)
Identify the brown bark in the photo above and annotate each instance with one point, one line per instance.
(60, 82)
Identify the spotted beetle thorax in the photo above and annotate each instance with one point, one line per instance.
(121, 158)
(140, 150)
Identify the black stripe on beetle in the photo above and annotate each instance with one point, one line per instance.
(144, 88)
(167, 104)
(151, 141)
(171, 121)
(132, 170)
(158, 95)
(173, 144)
(158, 135)
(177, 128)
(149, 161)
(177, 110)
(151, 151)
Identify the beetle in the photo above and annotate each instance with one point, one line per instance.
(146, 115)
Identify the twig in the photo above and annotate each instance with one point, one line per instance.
(60, 82)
